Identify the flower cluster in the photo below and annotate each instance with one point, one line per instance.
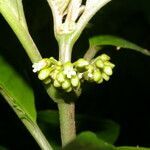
(68, 76)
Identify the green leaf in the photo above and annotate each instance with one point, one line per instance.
(132, 148)
(3, 148)
(116, 41)
(89, 141)
(18, 94)
(107, 130)
(21, 98)
(110, 131)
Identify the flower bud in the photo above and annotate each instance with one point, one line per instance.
(105, 76)
(69, 70)
(66, 84)
(100, 81)
(56, 84)
(97, 75)
(107, 63)
(99, 63)
(43, 74)
(108, 70)
(75, 81)
(81, 64)
(60, 77)
(68, 90)
(104, 57)
(47, 80)
(44, 63)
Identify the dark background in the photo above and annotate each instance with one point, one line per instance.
(124, 99)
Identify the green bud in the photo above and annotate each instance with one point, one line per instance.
(68, 65)
(90, 68)
(88, 76)
(108, 70)
(47, 81)
(61, 77)
(68, 90)
(99, 63)
(54, 74)
(56, 84)
(53, 61)
(105, 76)
(75, 81)
(66, 84)
(107, 63)
(81, 64)
(43, 74)
(104, 57)
(97, 75)
(100, 81)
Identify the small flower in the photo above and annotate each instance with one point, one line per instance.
(40, 65)
(69, 70)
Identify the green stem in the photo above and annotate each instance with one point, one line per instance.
(67, 122)
(22, 34)
(66, 110)
(37, 134)
(91, 52)
(29, 123)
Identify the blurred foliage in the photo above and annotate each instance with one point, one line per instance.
(124, 98)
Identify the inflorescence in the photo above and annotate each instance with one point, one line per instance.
(69, 76)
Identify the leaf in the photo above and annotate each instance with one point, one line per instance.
(116, 41)
(89, 141)
(3, 148)
(19, 95)
(110, 131)
(105, 129)
(21, 98)
(132, 148)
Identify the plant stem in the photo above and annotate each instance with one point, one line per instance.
(91, 52)
(22, 34)
(29, 123)
(66, 110)
(37, 134)
(67, 122)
